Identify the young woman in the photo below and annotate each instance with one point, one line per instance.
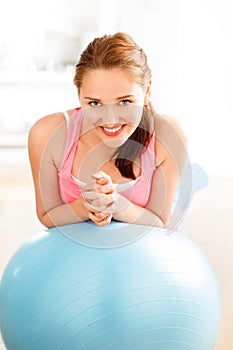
(113, 157)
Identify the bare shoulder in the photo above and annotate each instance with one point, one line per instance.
(169, 134)
(47, 137)
(44, 126)
(165, 124)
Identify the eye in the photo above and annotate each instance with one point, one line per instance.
(125, 102)
(94, 103)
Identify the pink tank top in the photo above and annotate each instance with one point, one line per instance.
(137, 191)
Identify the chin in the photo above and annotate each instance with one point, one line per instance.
(115, 143)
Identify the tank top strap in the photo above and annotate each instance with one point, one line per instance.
(67, 118)
(73, 131)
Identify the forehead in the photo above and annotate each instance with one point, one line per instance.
(109, 82)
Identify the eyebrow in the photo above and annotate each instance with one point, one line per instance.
(99, 100)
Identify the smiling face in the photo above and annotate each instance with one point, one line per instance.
(112, 104)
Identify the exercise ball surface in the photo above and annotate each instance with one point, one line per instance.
(156, 292)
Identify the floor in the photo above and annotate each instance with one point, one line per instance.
(209, 223)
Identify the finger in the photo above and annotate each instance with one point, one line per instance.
(102, 178)
(93, 188)
(102, 201)
(89, 187)
(101, 215)
(108, 189)
(99, 199)
(90, 195)
(104, 222)
(100, 174)
(101, 221)
(93, 217)
(92, 208)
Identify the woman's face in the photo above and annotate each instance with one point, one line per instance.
(112, 104)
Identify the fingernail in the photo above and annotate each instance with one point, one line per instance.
(96, 176)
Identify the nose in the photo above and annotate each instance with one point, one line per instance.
(110, 115)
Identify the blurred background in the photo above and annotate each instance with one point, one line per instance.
(189, 45)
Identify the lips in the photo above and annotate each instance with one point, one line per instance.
(113, 131)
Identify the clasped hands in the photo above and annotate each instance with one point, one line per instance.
(101, 199)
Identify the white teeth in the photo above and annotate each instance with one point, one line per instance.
(112, 130)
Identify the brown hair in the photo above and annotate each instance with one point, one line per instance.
(120, 51)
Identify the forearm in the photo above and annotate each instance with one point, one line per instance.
(103, 196)
(129, 212)
(65, 214)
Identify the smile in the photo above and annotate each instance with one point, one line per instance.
(113, 131)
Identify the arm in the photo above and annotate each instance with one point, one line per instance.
(45, 145)
(135, 214)
(103, 196)
(171, 156)
(158, 208)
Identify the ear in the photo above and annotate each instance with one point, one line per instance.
(147, 94)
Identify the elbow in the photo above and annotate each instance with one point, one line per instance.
(49, 225)
(162, 223)
(45, 220)
(46, 223)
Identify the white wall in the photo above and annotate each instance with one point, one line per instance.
(204, 80)
(190, 49)
(189, 46)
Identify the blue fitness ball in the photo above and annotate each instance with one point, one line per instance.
(119, 287)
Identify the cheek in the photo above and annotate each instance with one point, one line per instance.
(135, 115)
(92, 115)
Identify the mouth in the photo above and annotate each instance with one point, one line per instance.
(113, 131)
